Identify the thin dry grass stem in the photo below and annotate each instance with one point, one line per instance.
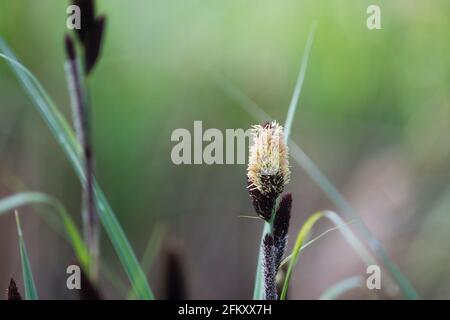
(90, 36)
(82, 127)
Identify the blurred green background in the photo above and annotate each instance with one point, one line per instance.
(374, 115)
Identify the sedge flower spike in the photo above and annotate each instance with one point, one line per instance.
(281, 228)
(269, 273)
(268, 167)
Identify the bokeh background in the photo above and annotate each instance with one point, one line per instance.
(374, 115)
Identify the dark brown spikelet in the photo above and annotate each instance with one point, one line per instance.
(270, 289)
(262, 204)
(88, 291)
(175, 283)
(91, 32)
(281, 227)
(13, 292)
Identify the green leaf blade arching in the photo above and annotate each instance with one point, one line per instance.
(29, 198)
(28, 280)
(65, 137)
(301, 237)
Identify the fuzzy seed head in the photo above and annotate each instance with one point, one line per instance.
(268, 165)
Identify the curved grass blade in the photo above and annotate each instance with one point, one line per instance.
(151, 249)
(351, 238)
(299, 84)
(301, 237)
(310, 242)
(28, 280)
(56, 223)
(64, 135)
(28, 198)
(306, 229)
(342, 287)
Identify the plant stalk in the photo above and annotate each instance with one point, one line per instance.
(258, 292)
(80, 110)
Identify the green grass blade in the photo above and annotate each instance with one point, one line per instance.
(123, 248)
(342, 287)
(316, 175)
(114, 279)
(299, 84)
(151, 249)
(28, 198)
(65, 227)
(28, 280)
(310, 242)
(301, 237)
(351, 238)
(306, 229)
(64, 135)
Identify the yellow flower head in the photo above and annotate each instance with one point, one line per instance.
(268, 166)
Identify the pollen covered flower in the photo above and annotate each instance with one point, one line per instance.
(268, 167)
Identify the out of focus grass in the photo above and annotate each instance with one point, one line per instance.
(366, 91)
